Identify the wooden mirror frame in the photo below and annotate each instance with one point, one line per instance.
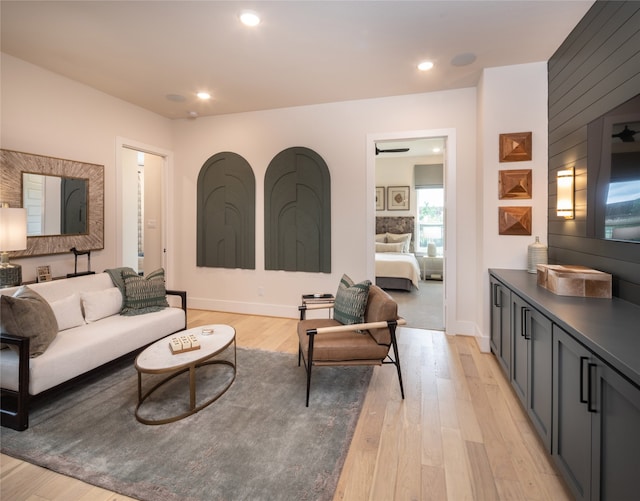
(14, 163)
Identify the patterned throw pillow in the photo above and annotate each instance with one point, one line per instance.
(351, 301)
(27, 314)
(144, 294)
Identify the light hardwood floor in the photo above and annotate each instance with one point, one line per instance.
(460, 434)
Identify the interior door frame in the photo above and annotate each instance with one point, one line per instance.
(167, 208)
(450, 247)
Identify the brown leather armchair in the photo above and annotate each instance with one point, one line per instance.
(325, 341)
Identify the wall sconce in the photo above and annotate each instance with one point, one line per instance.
(13, 237)
(565, 205)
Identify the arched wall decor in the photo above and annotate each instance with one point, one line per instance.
(226, 213)
(297, 212)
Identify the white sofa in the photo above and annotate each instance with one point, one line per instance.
(78, 349)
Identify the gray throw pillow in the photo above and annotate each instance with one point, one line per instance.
(144, 294)
(27, 314)
(351, 301)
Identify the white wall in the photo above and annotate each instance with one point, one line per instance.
(46, 114)
(510, 99)
(338, 132)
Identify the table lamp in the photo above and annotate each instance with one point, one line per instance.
(13, 237)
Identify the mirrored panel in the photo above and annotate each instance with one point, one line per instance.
(83, 227)
(55, 205)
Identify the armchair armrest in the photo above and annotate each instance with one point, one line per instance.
(303, 308)
(358, 327)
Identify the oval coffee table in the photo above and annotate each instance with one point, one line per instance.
(158, 359)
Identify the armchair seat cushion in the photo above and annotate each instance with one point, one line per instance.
(340, 347)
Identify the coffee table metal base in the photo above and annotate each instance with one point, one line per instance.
(191, 369)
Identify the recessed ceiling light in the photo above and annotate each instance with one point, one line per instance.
(249, 18)
(436, 150)
(425, 66)
(203, 95)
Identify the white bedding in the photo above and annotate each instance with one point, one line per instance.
(398, 265)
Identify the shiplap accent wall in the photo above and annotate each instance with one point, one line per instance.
(595, 69)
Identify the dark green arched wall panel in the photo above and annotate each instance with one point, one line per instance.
(297, 212)
(226, 213)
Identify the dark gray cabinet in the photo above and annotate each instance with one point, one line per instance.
(531, 364)
(501, 323)
(596, 423)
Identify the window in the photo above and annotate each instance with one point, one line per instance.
(430, 219)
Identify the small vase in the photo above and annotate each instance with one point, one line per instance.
(536, 254)
(431, 249)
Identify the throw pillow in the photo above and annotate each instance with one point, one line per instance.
(405, 238)
(27, 314)
(101, 304)
(68, 312)
(396, 247)
(351, 301)
(144, 294)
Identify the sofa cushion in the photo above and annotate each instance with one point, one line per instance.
(68, 312)
(101, 304)
(351, 301)
(144, 294)
(27, 314)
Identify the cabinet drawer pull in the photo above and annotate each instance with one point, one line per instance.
(591, 407)
(583, 399)
(496, 302)
(524, 322)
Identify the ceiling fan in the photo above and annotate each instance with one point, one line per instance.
(391, 150)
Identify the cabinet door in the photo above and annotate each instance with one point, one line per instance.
(615, 412)
(531, 364)
(571, 420)
(501, 323)
(519, 362)
(538, 332)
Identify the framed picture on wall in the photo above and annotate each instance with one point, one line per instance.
(398, 197)
(379, 197)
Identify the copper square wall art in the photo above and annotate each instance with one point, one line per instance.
(514, 220)
(515, 147)
(514, 184)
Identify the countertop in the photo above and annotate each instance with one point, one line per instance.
(608, 327)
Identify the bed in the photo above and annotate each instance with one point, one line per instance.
(396, 264)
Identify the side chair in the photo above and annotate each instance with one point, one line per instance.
(327, 342)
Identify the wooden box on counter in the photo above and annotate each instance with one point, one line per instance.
(568, 280)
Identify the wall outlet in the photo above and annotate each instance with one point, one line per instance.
(260, 291)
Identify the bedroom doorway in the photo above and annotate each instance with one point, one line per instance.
(143, 200)
(419, 160)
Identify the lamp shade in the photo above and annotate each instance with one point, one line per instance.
(13, 229)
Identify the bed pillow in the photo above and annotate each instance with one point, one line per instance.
(101, 304)
(381, 237)
(68, 312)
(144, 294)
(405, 238)
(351, 301)
(396, 247)
(27, 314)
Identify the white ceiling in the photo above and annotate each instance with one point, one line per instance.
(303, 52)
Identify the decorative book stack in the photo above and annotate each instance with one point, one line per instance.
(317, 298)
(180, 344)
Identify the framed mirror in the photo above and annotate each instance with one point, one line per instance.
(73, 214)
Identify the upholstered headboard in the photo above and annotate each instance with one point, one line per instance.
(400, 224)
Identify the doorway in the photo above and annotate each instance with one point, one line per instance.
(410, 149)
(142, 202)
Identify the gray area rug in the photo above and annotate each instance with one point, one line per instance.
(257, 442)
(422, 309)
